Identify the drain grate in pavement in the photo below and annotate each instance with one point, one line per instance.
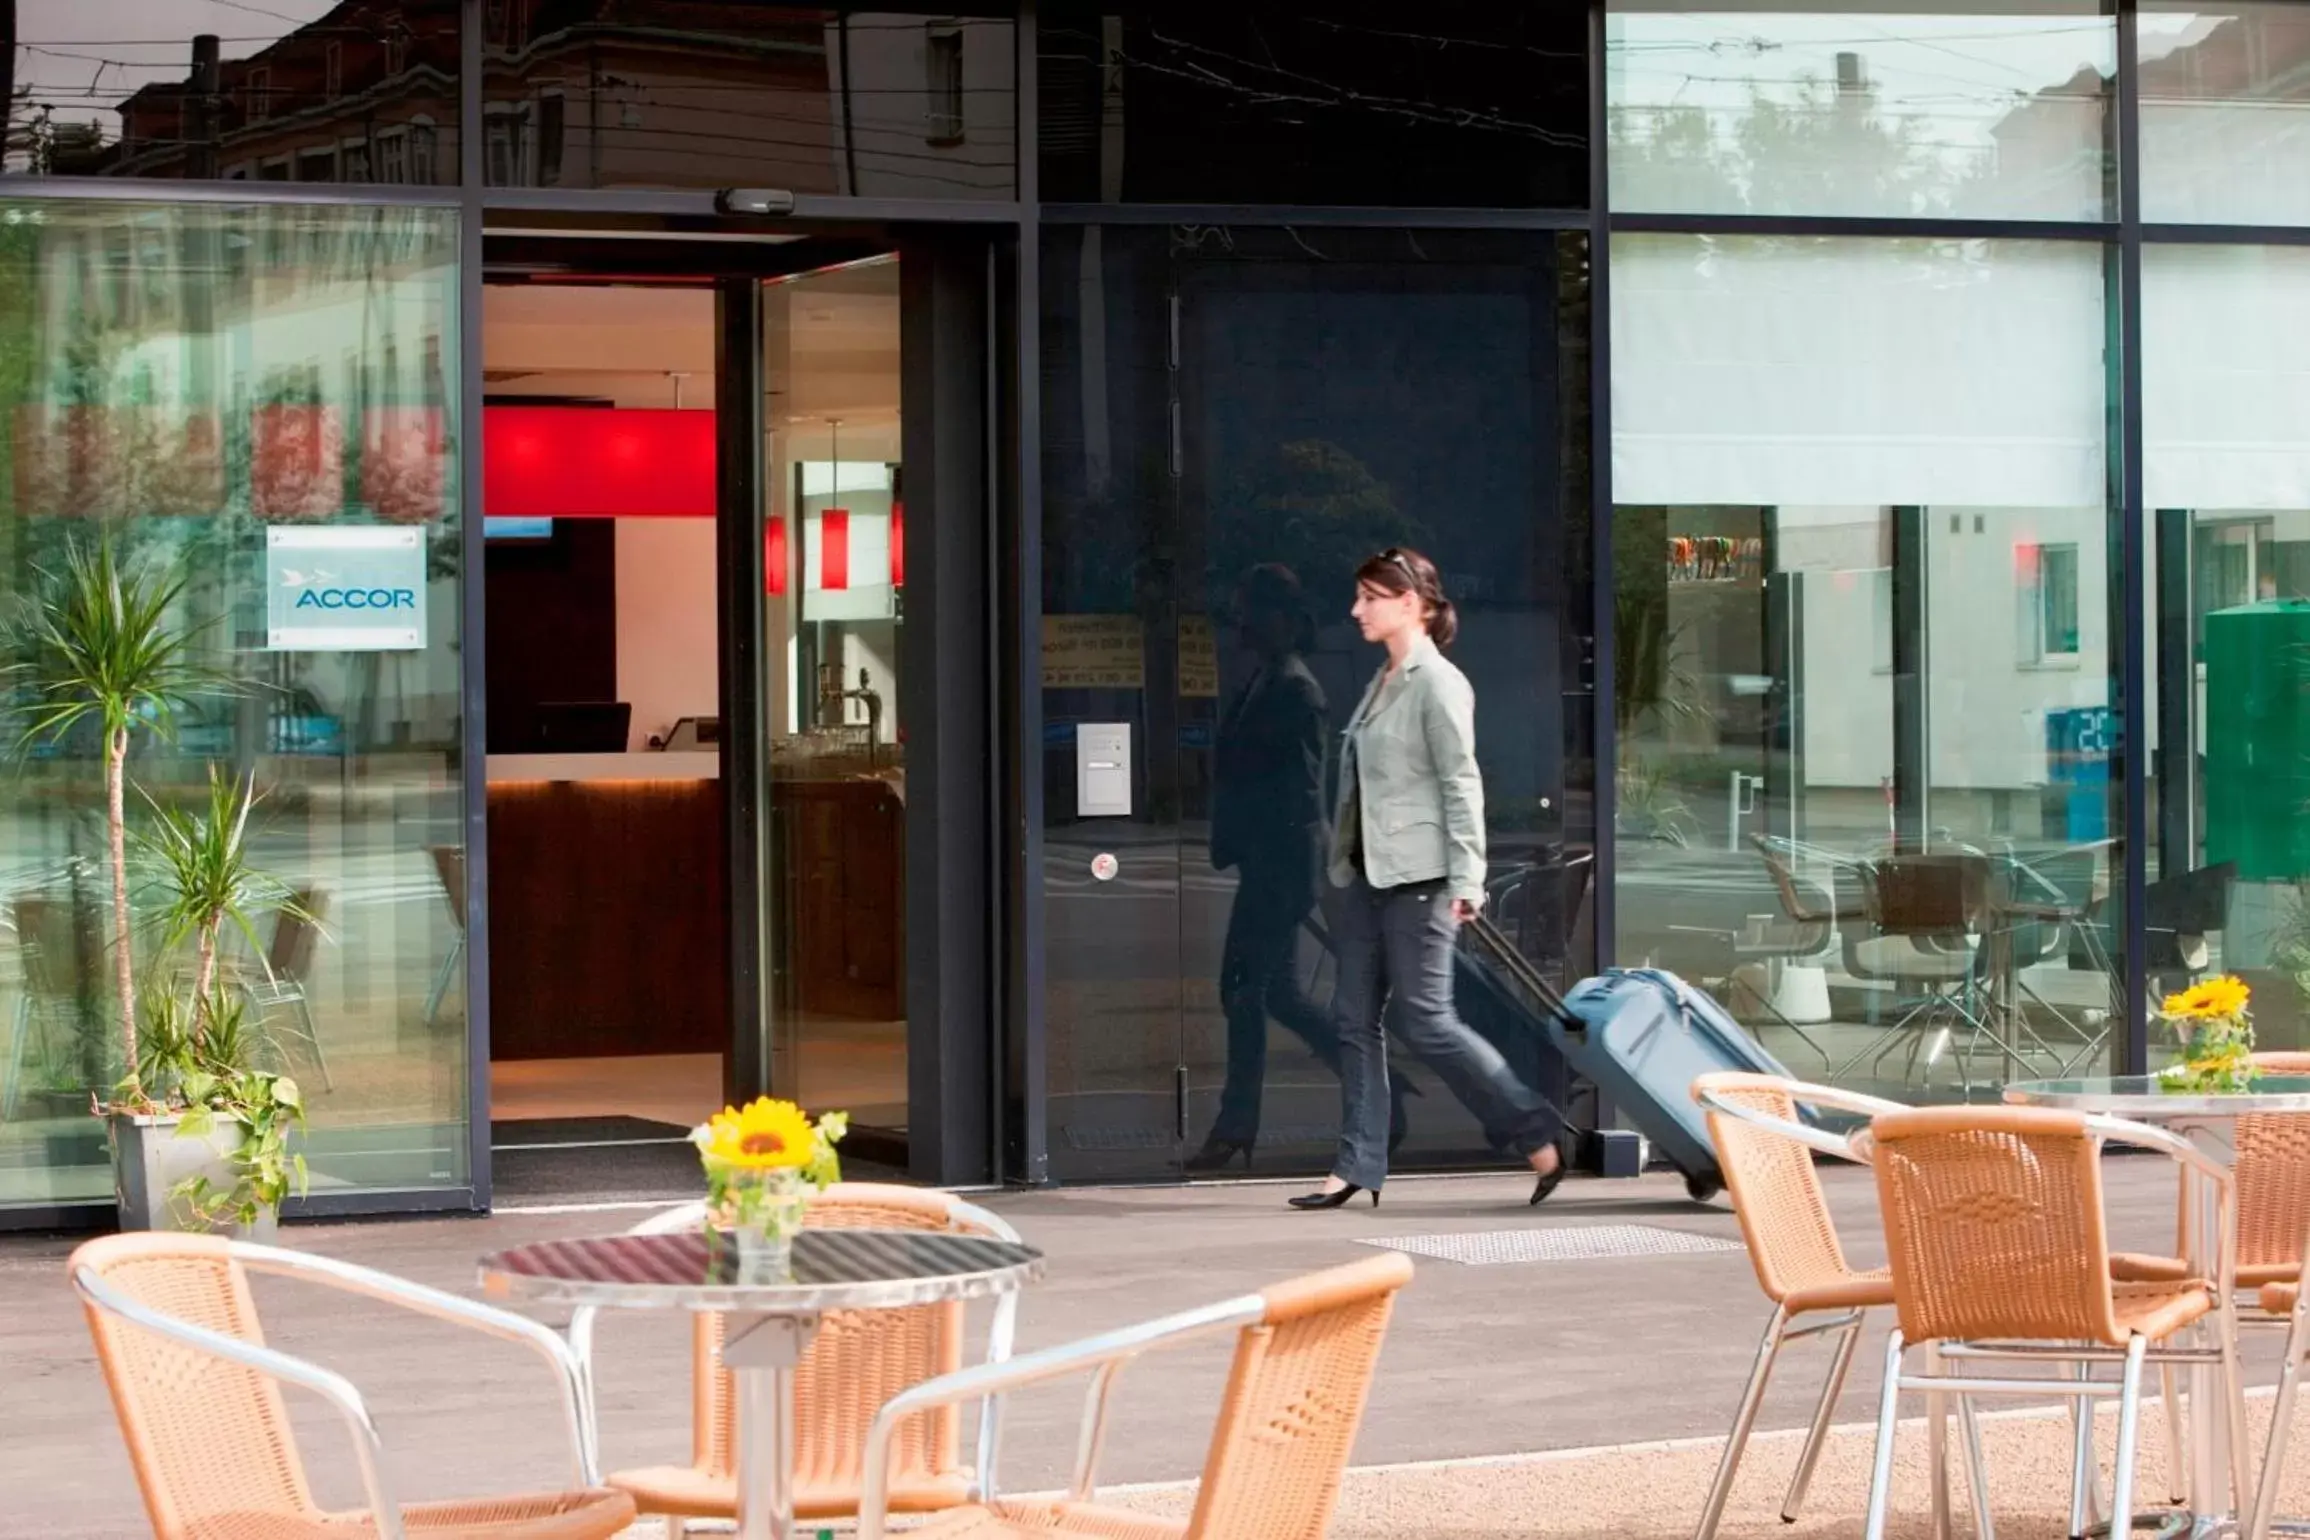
(1560, 1243)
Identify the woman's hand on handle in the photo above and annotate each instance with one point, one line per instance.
(1464, 910)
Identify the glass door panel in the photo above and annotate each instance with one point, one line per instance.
(835, 610)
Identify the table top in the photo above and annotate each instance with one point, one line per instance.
(832, 1270)
(2146, 1097)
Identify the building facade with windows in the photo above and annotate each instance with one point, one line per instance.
(856, 475)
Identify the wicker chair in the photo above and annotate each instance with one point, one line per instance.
(199, 1399)
(2000, 1250)
(2273, 1171)
(1765, 1152)
(858, 1360)
(1304, 1353)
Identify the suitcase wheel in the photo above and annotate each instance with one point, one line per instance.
(1702, 1188)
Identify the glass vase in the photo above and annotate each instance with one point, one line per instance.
(2217, 1056)
(767, 1214)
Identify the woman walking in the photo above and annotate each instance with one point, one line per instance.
(1408, 846)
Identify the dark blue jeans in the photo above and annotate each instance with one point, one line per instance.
(1398, 942)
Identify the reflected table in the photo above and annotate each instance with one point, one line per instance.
(2208, 1120)
(768, 1324)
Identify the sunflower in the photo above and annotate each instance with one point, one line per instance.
(2213, 999)
(765, 1136)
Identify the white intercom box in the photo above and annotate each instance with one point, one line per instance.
(1103, 770)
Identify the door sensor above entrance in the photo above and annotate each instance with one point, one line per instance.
(754, 200)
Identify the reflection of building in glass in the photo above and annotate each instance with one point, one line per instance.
(615, 93)
(583, 93)
(365, 93)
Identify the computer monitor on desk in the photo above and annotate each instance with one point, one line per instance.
(583, 727)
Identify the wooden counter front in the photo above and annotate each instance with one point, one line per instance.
(607, 915)
(845, 842)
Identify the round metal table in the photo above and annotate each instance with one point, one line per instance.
(2208, 1119)
(768, 1324)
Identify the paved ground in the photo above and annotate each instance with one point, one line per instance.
(1482, 1360)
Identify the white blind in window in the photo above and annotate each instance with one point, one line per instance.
(2226, 377)
(1770, 370)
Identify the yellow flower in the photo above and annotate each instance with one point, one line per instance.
(766, 1136)
(2210, 1000)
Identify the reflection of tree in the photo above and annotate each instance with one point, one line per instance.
(1821, 148)
(1314, 507)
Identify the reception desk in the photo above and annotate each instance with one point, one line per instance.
(608, 908)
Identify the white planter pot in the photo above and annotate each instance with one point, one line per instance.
(152, 1158)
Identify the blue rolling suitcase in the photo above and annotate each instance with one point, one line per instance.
(1643, 1036)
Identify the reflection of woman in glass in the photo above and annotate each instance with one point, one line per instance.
(1267, 822)
(1408, 845)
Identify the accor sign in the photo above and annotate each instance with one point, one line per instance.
(357, 599)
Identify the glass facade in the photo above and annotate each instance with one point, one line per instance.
(1861, 567)
(1871, 465)
(204, 91)
(215, 388)
(1231, 428)
(1963, 110)
(881, 103)
(2225, 118)
(1471, 106)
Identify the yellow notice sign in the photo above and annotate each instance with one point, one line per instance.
(1094, 652)
(1198, 659)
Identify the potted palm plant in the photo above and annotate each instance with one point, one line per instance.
(228, 1159)
(102, 645)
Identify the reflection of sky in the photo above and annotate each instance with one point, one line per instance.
(83, 58)
(1958, 75)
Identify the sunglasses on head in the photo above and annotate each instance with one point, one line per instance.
(1401, 563)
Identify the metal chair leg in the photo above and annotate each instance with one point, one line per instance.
(2177, 1450)
(1888, 1416)
(2234, 1408)
(2082, 1475)
(1744, 1420)
(1937, 1443)
(441, 979)
(313, 1036)
(2281, 1425)
(1977, 1470)
(1792, 1505)
(2121, 1499)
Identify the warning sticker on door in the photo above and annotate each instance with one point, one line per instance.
(1094, 652)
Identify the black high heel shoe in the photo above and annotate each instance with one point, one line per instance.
(1550, 1180)
(1217, 1154)
(1335, 1198)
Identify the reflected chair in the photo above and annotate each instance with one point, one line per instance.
(57, 948)
(1304, 1355)
(1813, 912)
(198, 1395)
(449, 866)
(2183, 911)
(1998, 1235)
(1766, 1153)
(1924, 912)
(287, 968)
(858, 1360)
(2042, 909)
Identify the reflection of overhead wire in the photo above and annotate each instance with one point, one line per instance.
(1441, 43)
(1958, 53)
(1416, 111)
(1750, 39)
